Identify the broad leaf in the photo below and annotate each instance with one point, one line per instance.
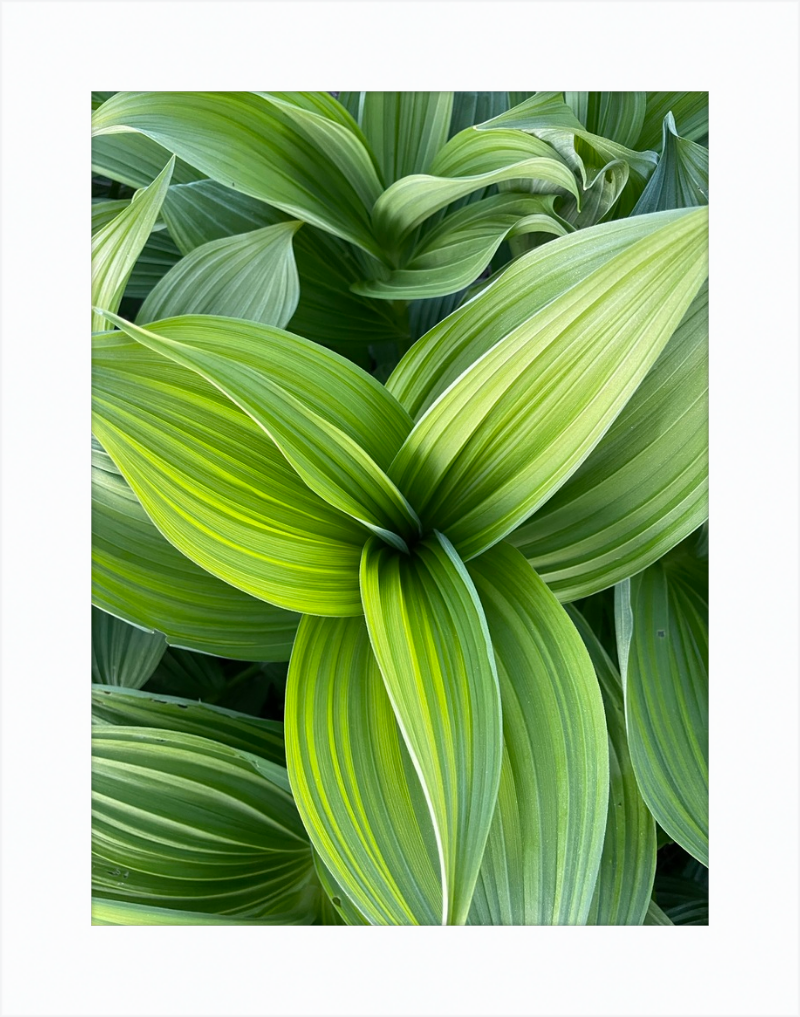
(544, 846)
(644, 488)
(618, 116)
(346, 913)
(336, 425)
(121, 654)
(184, 822)
(681, 177)
(432, 644)
(117, 245)
(140, 577)
(625, 880)
(136, 161)
(662, 634)
(353, 781)
(216, 485)
(405, 130)
(470, 108)
(519, 422)
(120, 912)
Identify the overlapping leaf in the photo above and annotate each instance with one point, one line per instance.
(690, 110)
(136, 160)
(140, 577)
(618, 116)
(681, 177)
(121, 654)
(120, 912)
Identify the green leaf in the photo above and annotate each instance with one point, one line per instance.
(519, 421)
(135, 160)
(689, 109)
(307, 161)
(655, 916)
(184, 822)
(121, 654)
(430, 638)
(470, 108)
(335, 424)
(117, 245)
(250, 276)
(625, 879)
(120, 912)
(346, 913)
(216, 485)
(662, 635)
(681, 177)
(140, 577)
(684, 901)
(193, 675)
(618, 116)
(131, 708)
(353, 780)
(405, 130)
(158, 256)
(544, 846)
(644, 488)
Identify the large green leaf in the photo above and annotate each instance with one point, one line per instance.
(216, 485)
(353, 781)
(432, 644)
(625, 880)
(117, 245)
(690, 110)
(405, 130)
(131, 708)
(662, 635)
(250, 276)
(121, 654)
(336, 425)
(544, 847)
(519, 421)
(470, 108)
(294, 150)
(184, 822)
(681, 177)
(140, 577)
(618, 116)
(135, 160)
(644, 488)
(158, 256)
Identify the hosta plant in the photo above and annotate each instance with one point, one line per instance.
(408, 390)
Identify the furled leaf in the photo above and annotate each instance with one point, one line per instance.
(336, 425)
(618, 116)
(644, 488)
(625, 880)
(544, 846)
(405, 130)
(689, 109)
(130, 708)
(520, 420)
(250, 276)
(681, 177)
(216, 485)
(430, 638)
(662, 635)
(117, 245)
(183, 822)
(352, 778)
(309, 162)
(121, 654)
(140, 577)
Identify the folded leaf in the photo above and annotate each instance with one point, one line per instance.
(520, 421)
(690, 110)
(644, 488)
(625, 880)
(121, 654)
(353, 781)
(681, 177)
(140, 577)
(117, 245)
(544, 846)
(330, 419)
(430, 638)
(662, 635)
(216, 485)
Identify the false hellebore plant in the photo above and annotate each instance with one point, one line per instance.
(408, 389)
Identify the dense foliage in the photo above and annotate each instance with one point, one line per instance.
(399, 482)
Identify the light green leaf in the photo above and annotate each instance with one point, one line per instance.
(216, 485)
(430, 638)
(134, 160)
(117, 245)
(655, 916)
(346, 913)
(120, 912)
(140, 577)
(353, 780)
(250, 276)
(662, 635)
(131, 708)
(270, 146)
(681, 177)
(183, 822)
(544, 846)
(644, 488)
(121, 654)
(519, 422)
(618, 116)
(625, 880)
(690, 110)
(331, 420)
(405, 130)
